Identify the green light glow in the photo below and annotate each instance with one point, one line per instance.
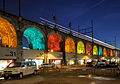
(35, 38)
(100, 51)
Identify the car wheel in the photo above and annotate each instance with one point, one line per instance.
(20, 76)
(35, 72)
(6, 78)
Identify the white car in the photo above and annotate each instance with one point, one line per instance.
(101, 63)
(19, 69)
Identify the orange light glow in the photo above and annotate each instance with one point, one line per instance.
(7, 33)
(104, 52)
(111, 53)
(69, 45)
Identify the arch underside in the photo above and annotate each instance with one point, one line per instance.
(69, 45)
(55, 42)
(8, 34)
(33, 39)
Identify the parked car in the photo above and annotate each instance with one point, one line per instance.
(93, 63)
(101, 63)
(46, 66)
(113, 64)
(19, 69)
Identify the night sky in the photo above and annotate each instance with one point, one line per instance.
(105, 14)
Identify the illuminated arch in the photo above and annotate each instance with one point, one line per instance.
(0, 41)
(55, 42)
(104, 52)
(8, 34)
(116, 54)
(88, 49)
(80, 48)
(69, 45)
(95, 50)
(111, 53)
(108, 52)
(35, 39)
(100, 51)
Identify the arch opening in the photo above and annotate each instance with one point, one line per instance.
(33, 39)
(8, 36)
(88, 49)
(69, 46)
(100, 51)
(95, 50)
(80, 48)
(55, 42)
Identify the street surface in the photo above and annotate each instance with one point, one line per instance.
(30, 79)
(68, 77)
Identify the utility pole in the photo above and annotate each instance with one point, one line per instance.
(92, 30)
(19, 8)
(19, 37)
(55, 19)
(4, 5)
(115, 41)
(70, 27)
(78, 30)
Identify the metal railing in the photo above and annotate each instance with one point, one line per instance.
(75, 33)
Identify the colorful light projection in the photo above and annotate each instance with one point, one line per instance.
(55, 42)
(104, 52)
(69, 45)
(35, 39)
(95, 50)
(0, 40)
(8, 34)
(111, 53)
(116, 53)
(100, 51)
(80, 48)
(108, 52)
(88, 49)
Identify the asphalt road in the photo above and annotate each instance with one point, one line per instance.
(30, 79)
(60, 80)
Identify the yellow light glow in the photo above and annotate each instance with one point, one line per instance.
(113, 59)
(95, 50)
(80, 48)
(102, 58)
(69, 45)
(7, 33)
(85, 57)
(51, 50)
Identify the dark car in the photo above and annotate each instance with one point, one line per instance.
(113, 64)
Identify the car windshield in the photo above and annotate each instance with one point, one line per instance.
(14, 64)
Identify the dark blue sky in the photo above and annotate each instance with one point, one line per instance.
(105, 14)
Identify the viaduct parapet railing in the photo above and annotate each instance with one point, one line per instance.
(75, 33)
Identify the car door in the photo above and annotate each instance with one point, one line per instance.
(24, 69)
(30, 71)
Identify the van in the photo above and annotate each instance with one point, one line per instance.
(19, 69)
